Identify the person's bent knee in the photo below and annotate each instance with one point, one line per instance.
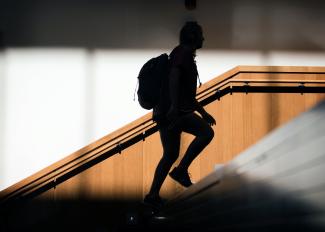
(170, 157)
(209, 134)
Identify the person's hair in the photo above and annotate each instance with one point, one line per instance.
(188, 32)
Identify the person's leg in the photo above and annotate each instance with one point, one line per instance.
(170, 140)
(197, 126)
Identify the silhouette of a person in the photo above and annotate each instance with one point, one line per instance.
(175, 113)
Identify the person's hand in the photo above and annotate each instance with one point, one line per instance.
(209, 119)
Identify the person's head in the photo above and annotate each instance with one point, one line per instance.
(191, 34)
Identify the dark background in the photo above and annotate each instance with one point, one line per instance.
(143, 24)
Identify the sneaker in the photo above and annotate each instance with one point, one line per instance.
(154, 201)
(181, 177)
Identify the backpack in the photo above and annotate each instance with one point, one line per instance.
(150, 79)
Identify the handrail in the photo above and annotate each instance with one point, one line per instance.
(136, 131)
(247, 82)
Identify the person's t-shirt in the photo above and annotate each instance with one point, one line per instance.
(183, 59)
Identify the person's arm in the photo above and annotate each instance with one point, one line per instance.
(205, 115)
(199, 108)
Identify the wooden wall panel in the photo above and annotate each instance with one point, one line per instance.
(152, 153)
(210, 155)
(133, 171)
(119, 177)
(106, 178)
(223, 129)
(237, 123)
(49, 195)
(70, 189)
(261, 111)
(311, 99)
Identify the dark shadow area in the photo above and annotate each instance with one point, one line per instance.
(73, 215)
(143, 24)
(242, 206)
(238, 204)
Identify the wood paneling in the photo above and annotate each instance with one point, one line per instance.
(152, 152)
(242, 120)
(119, 177)
(209, 156)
